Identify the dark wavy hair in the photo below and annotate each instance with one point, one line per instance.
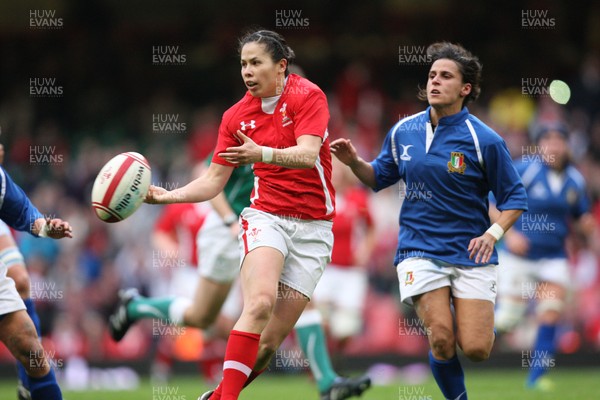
(274, 43)
(468, 65)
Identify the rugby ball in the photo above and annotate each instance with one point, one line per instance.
(121, 186)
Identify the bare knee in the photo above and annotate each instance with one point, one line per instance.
(477, 352)
(200, 320)
(260, 308)
(442, 341)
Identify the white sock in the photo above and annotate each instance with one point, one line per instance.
(177, 309)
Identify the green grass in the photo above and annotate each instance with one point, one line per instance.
(581, 384)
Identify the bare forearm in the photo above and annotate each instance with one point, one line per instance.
(363, 171)
(507, 218)
(207, 186)
(294, 157)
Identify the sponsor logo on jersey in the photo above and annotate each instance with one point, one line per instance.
(457, 162)
(251, 125)
(410, 278)
(405, 156)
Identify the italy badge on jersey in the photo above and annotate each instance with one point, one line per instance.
(457, 162)
(410, 278)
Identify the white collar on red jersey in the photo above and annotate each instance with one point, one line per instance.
(269, 103)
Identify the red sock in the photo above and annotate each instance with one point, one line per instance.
(240, 356)
(218, 391)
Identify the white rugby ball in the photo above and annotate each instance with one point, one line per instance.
(121, 186)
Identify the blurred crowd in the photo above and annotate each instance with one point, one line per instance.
(55, 157)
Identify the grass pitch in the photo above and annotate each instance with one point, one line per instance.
(581, 384)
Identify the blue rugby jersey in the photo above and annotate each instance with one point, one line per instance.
(15, 207)
(551, 209)
(447, 176)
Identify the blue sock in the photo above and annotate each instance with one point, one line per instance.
(23, 377)
(450, 377)
(543, 353)
(45, 388)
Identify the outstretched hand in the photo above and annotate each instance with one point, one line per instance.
(157, 195)
(248, 153)
(54, 228)
(344, 150)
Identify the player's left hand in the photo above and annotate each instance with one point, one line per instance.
(248, 153)
(482, 248)
(55, 228)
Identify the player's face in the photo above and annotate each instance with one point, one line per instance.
(555, 149)
(445, 87)
(260, 73)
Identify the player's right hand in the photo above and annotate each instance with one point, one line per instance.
(344, 151)
(156, 195)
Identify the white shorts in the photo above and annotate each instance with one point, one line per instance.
(305, 245)
(10, 301)
(421, 275)
(219, 254)
(343, 287)
(184, 281)
(516, 272)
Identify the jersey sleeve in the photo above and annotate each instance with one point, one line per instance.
(15, 207)
(312, 116)
(503, 178)
(384, 166)
(582, 205)
(225, 139)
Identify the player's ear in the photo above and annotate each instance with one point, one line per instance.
(466, 89)
(282, 65)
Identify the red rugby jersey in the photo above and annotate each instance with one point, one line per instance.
(302, 109)
(352, 215)
(185, 220)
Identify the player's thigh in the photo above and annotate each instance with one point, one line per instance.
(259, 278)
(433, 309)
(474, 326)
(208, 300)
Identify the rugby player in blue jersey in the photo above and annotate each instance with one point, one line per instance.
(533, 258)
(17, 331)
(449, 161)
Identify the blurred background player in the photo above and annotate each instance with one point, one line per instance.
(342, 291)
(17, 330)
(174, 241)
(533, 260)
(13, 260)
(219, 264)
